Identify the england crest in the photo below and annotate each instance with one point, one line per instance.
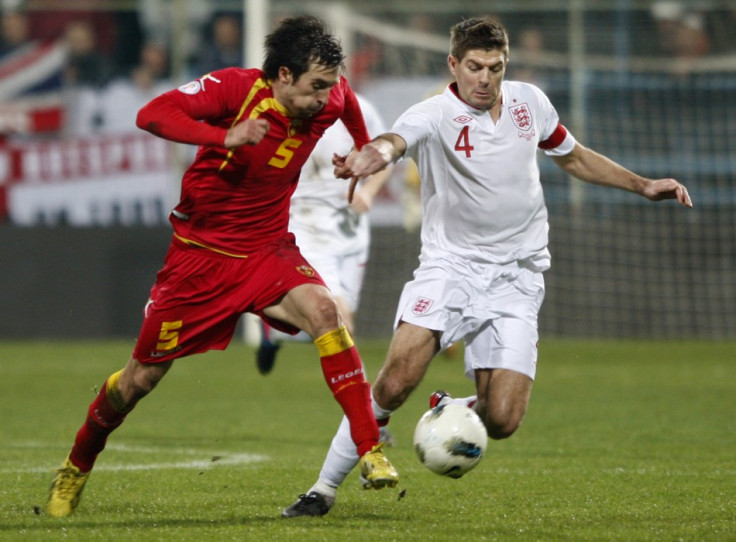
(521, 116)
(422, 305)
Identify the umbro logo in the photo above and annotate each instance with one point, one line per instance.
(463, 119)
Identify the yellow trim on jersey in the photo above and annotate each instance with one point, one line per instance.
(265, 104)
(270, 103)
(258, 85)
(333, 342)
(200, 245)
(225, 161)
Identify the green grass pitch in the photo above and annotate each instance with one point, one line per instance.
(623, 440)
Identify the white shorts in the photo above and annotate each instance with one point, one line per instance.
(335, 242)
(493, 308)
(343, 274)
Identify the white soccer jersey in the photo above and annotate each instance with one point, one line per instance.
(317, 181)
(320, 216)
(481, 194)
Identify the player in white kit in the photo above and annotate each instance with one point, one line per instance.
(484, 238)
(332, 234)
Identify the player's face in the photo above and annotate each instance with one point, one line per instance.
(479, 75)
(307, 95)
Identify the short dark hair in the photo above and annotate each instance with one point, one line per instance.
(297, 43)
(478, 33)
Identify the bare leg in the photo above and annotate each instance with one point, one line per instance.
(411, 350)
(312, 308)
(503, 397)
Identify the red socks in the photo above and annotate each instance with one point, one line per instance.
(344, 374)
(105, 413)
(342, 369)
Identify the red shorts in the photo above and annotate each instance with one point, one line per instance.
(199, 296)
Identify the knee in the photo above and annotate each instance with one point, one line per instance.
(501, 430)
(143, 384)
(391, 393)
(500, 425)
(138, 381)
(324, 315)
(392, 390)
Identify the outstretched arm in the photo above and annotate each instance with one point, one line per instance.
(592, 167)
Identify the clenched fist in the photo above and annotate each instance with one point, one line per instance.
(248, 132)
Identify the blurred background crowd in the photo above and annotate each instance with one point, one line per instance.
(111, 57)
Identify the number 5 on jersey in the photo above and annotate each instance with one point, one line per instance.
(284, 153)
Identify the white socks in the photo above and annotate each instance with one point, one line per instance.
(378, 412)
(342, 456)
(340, 460)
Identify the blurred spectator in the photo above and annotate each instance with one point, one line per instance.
(129, 40)
(682, 33)
(182, 22)
(86, 65)
(722, 28)
(51, 20)
(525, 53)
(27, 66)
(224, 48)
(87, 70)
(30, 79)
(14, 31)
(124, 96)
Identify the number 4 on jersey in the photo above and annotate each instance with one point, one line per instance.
(463, 142)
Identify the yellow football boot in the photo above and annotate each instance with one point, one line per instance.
(376, 471)
(66, 490)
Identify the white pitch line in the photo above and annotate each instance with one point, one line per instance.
(222, 458)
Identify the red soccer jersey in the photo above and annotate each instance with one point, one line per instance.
(236, 201)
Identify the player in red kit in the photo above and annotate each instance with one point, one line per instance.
(231, 251)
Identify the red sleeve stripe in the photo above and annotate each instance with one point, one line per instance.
(557, 137)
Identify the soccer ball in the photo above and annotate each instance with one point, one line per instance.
(450, 439)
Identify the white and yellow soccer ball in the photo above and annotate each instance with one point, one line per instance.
(450, 440)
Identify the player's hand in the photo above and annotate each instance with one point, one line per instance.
(373, 157)
(341, 170)
(248, 132)
(661, 189)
